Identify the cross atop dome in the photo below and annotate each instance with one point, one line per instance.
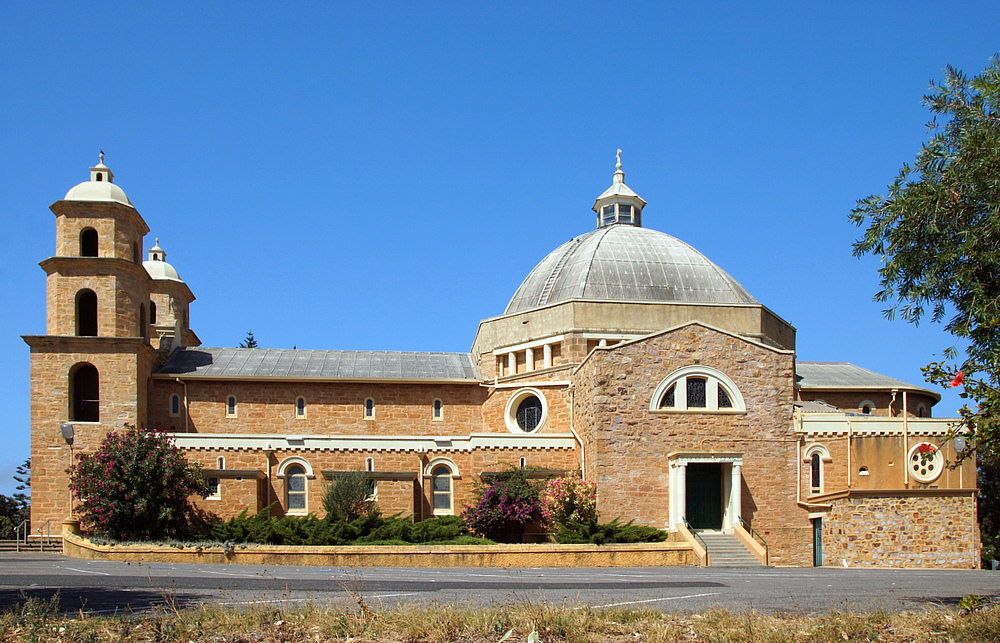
(101, 172)
(619, 203)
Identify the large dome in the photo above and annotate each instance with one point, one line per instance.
(623, 262)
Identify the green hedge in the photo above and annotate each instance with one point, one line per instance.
(369, 529)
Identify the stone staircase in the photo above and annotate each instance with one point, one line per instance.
(725, 550)
(33, 544)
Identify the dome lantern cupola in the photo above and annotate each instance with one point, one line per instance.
(619, 203)
(100, 187)
(101, 172)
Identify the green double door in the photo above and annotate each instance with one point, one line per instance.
(704, 495)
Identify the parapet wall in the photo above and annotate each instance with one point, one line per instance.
(541, 555)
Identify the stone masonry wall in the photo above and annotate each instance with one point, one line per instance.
(932, 530)
(332, 408)
(631, 443)
(50, 408)
(409, 496)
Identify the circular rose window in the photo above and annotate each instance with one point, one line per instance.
(925, 462)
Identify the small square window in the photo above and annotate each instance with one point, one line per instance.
(214, 489)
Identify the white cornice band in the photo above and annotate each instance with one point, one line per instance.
(417, 444)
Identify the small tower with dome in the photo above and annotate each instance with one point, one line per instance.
(169, 303)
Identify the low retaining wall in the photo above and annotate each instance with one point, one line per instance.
(540, 555)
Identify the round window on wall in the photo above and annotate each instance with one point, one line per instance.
(526, 411)
(529, 414)
(925, 462)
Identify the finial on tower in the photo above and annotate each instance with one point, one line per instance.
(618, 158)
(102, 156)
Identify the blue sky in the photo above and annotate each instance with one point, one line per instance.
(384, 175)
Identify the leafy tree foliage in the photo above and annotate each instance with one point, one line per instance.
(136, 486)
(22, 475)
(16, 508)
(938, 235)
(249, 341)
(349, 496)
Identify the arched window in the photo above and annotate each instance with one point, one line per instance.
(441, 489)
(143, 326)
(85, 394)
(369, 409)
(438, 410)
(817, 457)
(300, 407)
(221, 462)
(922, 411)
(175, 405)
(815, 473)
(867, 406)
(697, 389)
(88, 243)
(86, 313)
(231, 406)
(152, 312)
(295, 489)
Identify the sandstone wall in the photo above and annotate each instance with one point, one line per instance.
(631, 443)
(919, 530)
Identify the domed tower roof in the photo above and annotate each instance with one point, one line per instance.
(622, 261)
(100, 187)
(157, 266)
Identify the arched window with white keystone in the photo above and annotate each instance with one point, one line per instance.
(697, 389)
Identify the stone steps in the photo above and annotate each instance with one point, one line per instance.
(33, 544)
(725, 550)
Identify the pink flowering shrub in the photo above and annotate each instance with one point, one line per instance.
(503, 505)
(136, 486)
(568, 499)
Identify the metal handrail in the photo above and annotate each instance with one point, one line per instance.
(47, 537)
(767, 550)
(695, 534)
(21, 528)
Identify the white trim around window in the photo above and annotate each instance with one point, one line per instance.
(717, 385)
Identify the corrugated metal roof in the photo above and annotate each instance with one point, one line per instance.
(362, 365)
(627, 263)
(826, 375)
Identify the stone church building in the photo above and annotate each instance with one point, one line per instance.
(625, 355)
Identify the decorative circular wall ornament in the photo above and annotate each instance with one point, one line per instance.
(925, 462)
(526, 411)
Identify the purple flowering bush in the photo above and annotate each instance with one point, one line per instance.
(136, 486)
(503, 506)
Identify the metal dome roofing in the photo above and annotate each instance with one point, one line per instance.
(627, 263)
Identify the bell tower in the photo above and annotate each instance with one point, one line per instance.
(92, 367)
